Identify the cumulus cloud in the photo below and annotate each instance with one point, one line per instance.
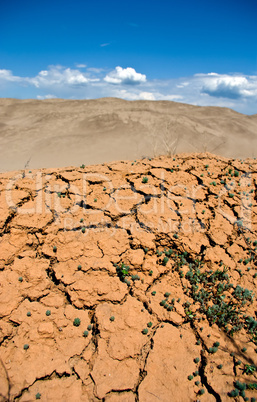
(125, 76)
(7, 75)
(60, 76)
(231, 87)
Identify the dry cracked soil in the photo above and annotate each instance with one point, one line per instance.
(130, 281)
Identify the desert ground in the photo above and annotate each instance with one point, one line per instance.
(59, 133)
(127, 279)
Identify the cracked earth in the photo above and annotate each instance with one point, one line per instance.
(110, 276)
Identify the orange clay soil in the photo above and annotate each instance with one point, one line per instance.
(129, 281)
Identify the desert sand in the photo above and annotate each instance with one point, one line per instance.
(59, 133)
(130, 281)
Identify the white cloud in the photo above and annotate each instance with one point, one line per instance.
(128, 95)
(80, 65)
(104, 44)
(231, 87)
(7, 75)
(95, 70)
(125, 76)
(41, 97)
(57, 76)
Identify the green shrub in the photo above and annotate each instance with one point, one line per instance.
(26, 346)
(38, 396)
(76, 322)
(190, 377)
(145, 331)
(85, 334)
(54, 249)
(234, 393)
(112, 318)
(20, 279)
(48, 312)
(145, 180)
(29, 314)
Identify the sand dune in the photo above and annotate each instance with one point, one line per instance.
(52, 133)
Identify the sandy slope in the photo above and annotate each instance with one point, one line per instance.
(77, 325)
(54, 133)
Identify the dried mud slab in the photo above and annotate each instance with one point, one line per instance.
(130, 281)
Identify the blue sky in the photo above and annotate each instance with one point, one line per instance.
(190, 51)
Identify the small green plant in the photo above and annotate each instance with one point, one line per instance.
(249, 369)
(244, 350)
(166, 294)
(20, 279)
(48, 312)
(197, 383)
(85, 334)
(122, 271)
(196, 359)
(95, 199)
(145, 180)
(89, 327)
(112, 318)
(79, 267)
(149, 324)
(190, 377)
(54, 249)
(76, 322)
(201, 391)
(153, 292)
(83, 230)
(219, 366)
(233, 393)
(26, 346)
(213, 350)
(38, 396)
(175, 236)
(165, 261)
(145, 331)
(29, 314)
(240, 385)
(135, 277)
(82, 166)
(150, 273)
